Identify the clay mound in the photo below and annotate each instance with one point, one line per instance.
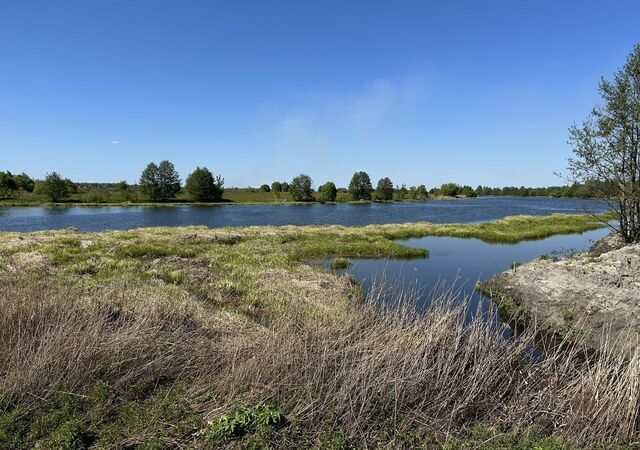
(596, 294)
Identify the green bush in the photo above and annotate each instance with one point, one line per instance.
(327, 192)
(300, 188)
(202, 186)
(449, 189)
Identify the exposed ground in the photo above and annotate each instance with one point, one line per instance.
(594, 294)
(198, 338)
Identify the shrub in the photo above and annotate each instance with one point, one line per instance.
(300, 188)
(467, 191)
(449, 189)
(202, 186)
(360, 186)
(402, 192)
(421, 193)
(327, 192)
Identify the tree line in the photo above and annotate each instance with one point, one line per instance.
(161, 182)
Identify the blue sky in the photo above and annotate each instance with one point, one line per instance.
(478, 92)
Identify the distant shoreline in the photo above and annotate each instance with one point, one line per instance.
(18, 204)
(69, 204)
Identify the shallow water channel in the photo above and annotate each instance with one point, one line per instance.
(457, 264)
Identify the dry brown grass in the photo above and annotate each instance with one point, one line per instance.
(376, 368)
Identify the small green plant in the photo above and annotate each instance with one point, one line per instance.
(261, 418)
(340, 263)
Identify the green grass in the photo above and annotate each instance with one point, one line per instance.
(340, 263)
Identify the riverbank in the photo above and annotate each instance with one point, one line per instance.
(194, 337)
(591, 296)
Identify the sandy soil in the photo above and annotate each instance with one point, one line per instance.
(596, 293)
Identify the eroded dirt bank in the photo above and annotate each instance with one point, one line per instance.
(593, 294)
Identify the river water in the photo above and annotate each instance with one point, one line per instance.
(440, 211)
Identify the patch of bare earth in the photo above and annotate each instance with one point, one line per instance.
(23, 262)
(306, 285)
(597, 292)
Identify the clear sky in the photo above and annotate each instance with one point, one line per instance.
(477, 92)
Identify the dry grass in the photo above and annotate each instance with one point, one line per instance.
(376, 374)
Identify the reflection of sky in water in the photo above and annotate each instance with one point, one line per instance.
(446, 211)
(461, 263)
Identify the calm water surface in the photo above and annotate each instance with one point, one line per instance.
(461, 263)
(445, 211)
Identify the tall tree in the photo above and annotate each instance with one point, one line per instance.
(55, 187)
(360, 186)
(24, 182)
(384, 191)
(7, 183)
(300, 188)
(150, 183)
(168, 179)
(606, 146)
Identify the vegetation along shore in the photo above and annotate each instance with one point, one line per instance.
(161, 184)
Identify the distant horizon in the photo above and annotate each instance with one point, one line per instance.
(421, 93)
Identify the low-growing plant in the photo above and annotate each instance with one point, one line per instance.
(340, 263)
(261, 418)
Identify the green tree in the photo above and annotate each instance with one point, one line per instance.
(360, 186)
(122, 186)
(265, 188)
(168, 179)
(467, 191)
(327, 192)
(449, 189)
(300, 188)
(402, 192)
(276, 186)
(8, 184)
(24, 182)
(384, 190)
(160, 182)
(421, 193)
(606, 146)
(202, 186)
(54, 187)
(150, 182)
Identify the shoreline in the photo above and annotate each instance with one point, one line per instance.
(590, 297)
(212, 204)
(29, 204)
